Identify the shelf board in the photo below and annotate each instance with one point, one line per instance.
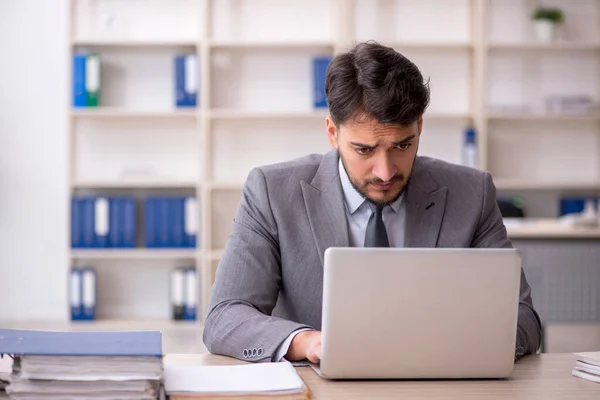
(225, 186)
(558, 46)
(428, 45)
(224, 114)
(109, 112)
(550, 228)
(126, 43)
(543, 117)
(447, 116)
(265, 45)
(105, 324)
(135, 324)
(135, 184)
(215, 255)
(134, 254)
(525, 184)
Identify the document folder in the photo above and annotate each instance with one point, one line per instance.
(29, 342)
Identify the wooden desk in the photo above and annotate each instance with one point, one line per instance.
(545, 376)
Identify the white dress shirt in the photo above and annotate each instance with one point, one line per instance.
(358, 213)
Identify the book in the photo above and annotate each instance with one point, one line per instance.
(587, 366)
(256, 381)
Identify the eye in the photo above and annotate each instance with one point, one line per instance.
(404, 146)
(363, 150)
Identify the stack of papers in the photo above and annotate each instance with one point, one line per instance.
(264, 380)
(587, 366)
(6, 364)
(83, 365)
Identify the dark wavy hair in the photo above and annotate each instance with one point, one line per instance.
(372, 80)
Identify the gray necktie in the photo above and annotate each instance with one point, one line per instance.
(376, 235)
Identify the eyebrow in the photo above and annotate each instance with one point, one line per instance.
(366, 146)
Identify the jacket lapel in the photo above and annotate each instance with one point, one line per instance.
(425, 205)
(325, 206)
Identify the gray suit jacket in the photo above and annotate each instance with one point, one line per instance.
(269, 280)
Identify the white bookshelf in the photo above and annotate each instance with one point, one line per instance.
(255, 102)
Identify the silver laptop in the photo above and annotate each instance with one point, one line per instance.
(406, 313)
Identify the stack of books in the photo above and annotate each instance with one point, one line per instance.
(83, 365)
(587, 366)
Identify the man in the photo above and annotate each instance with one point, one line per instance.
(371, 190)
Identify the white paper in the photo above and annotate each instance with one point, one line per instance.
(589, 357)
(585, 375)
(6, 364)
(273, 378)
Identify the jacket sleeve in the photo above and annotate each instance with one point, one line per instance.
(247, 283)
(491, 232)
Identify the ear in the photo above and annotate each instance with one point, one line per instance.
(332, 132)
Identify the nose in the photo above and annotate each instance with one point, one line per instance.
(384, 168)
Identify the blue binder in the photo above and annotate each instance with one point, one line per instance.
(190, 237)
(88, 294)
(150, 223)
(177, 221)
(75, 294)
(76, 223)
(87, 212)
(164, 222)
(190, 307)
(320, 65)
(79, 90)
(101, 219)
(574, 205)
(30, 342)
(127, 212)
(116, 225)
(186, 82)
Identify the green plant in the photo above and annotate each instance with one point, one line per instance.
(552, 14)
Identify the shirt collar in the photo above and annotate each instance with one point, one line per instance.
(353, 198)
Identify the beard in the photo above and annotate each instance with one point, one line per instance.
(362, 188)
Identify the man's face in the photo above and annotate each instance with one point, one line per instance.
(378, 158)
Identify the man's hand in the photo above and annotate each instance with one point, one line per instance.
(305, 345)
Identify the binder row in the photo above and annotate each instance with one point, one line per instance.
(111, 222)
(83, 293)
(87, 79)
(184, 294)
(98, 222)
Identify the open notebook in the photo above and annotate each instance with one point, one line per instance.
(271, 380)
(587, 366)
